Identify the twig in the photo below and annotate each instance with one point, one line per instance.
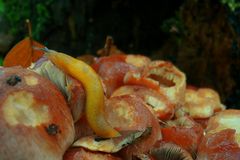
(108, 44)
(29, 27)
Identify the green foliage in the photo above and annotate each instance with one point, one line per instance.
(19, 11)
(1, 61)
(232, 4)
(16, 14)
(43, 17)
(1, 6)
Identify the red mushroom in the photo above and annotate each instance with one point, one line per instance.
(35, 120)
(163, 108)
(79, 153)
(222, 139)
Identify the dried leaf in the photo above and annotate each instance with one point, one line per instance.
(23, 53)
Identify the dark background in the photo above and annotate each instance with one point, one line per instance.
(201, 37)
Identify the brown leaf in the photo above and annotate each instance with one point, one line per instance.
(23, 53)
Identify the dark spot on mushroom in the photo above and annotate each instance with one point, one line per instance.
(126, 144)
(13, 80)
(147, 132)
(98, 139)
(52, 129)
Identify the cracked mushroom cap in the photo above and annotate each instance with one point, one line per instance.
(162, 76)
(35, 120)
(227, 119)
(162, 107)
(222, 139)
(202, 103)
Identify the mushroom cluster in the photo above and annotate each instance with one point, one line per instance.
(113, 107)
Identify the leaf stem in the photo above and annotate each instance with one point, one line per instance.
(29, 26)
